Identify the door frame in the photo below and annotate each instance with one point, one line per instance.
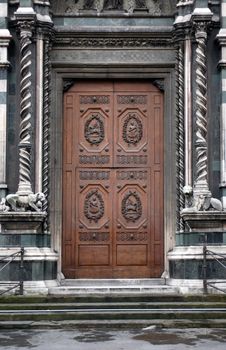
(147, 73)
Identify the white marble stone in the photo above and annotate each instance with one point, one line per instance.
(3, 85)
(3, 54)
(3, 9)
(2, 143)
(25, 11)
(202, 11)
(223, 9)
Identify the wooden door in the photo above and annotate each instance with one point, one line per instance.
(113, 180)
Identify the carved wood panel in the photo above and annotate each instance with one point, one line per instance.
(131, 121)
(113, 180)
(94, 121)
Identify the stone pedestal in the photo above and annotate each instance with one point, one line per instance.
(25, 229)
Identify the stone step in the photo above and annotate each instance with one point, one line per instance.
(117, 289)
(126, 310)
(113, 314)
(112, 305)
(113, 282)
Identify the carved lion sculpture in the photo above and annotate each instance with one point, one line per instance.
(22, 203)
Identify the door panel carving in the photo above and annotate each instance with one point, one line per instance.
(113, 180)
(131, 130)
(95, 124)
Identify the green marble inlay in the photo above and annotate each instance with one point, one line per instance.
(24, 240)
(33, 271)
(223, 22)
(216, 165)
(2, 98)
(2, 23)
(224, 96)
(193, 269)
(197, 238)
(25, 3)
(223, 72)
(201, 3)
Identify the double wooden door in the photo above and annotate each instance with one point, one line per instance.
(113, 180)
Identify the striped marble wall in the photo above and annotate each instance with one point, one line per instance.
(222, 65)
(4, 42)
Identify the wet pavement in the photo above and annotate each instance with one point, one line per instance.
(114, 339)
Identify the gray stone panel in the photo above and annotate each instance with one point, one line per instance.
(111, 22)
(193, 269)
(110, 56)
(33, 271)
(24, 240)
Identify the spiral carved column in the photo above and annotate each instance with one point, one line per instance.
(201, 176)
(46, 126)
(180, 135)
(24, 187)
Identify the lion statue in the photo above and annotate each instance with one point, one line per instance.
(32, 201)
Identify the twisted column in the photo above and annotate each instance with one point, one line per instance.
(201, 176)
(46, 126)
(180, 136)
(24, 187)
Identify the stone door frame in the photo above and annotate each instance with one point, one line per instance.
(61, 74)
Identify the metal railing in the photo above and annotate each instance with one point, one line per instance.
(216, 257)
(8, 259)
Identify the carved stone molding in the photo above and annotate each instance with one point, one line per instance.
(25, 33)
(67, 84)
(180, 134)
(159, 83)
(199, 198)
(153, 7)
(201, 175)
(113, 42)
(46, 129)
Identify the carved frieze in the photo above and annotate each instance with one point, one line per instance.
(154, 7)
(94, 159)
(101, 99)
(112, 42)
(131, 206)
(94, 206)
(132, 99)
(132, 236)
(131, 175)
(94, 175)
(132, 129)
(94, 130)
(134, 159)
(94, 236)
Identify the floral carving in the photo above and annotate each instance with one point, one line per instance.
(94, 206)
(94, 130)
(131, 206)
(132, 130)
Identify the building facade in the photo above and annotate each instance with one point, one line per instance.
(113, 139)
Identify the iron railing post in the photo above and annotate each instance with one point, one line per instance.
(21, 291)
(205, 290)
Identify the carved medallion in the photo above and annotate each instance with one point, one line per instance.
(113, 5)
(132, 129)
(131, 206)
(94, 130)
(94, 206)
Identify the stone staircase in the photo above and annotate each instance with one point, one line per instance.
(155, 286)
(105, 310)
